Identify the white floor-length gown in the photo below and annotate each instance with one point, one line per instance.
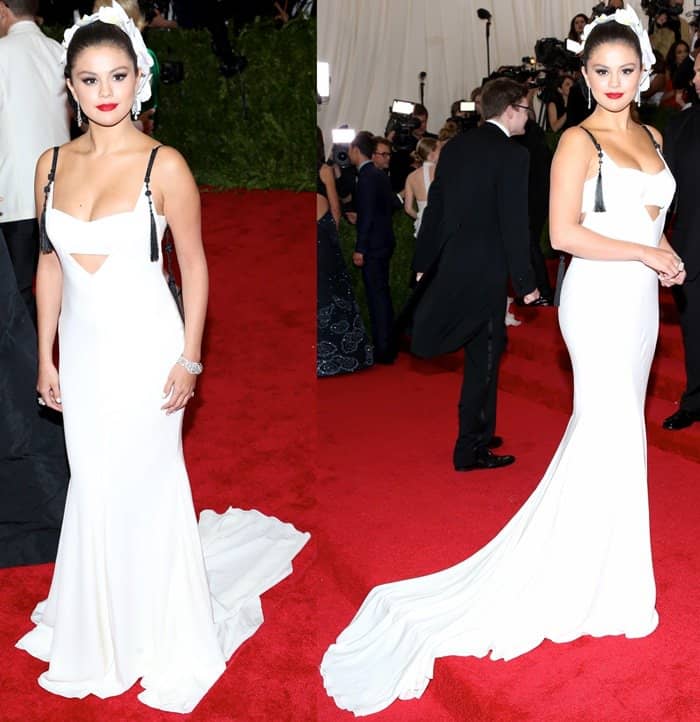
(576, 558)
(140, 590)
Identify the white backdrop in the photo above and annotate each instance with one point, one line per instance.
(376, 48)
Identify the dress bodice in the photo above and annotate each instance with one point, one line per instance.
(619, 202)
(106, 235)
(629, 188)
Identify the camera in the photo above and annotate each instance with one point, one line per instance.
(655, 7)
(402, 123)
(602, 9)
(464, 122)
(340, 150)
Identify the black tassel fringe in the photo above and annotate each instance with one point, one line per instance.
(154, 231)
(45, 245)
(599, 206)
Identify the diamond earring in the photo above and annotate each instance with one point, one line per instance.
(589, 97)
(135, 109)
(78, 116)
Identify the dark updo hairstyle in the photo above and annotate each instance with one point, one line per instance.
(610, 32)
(98, 33)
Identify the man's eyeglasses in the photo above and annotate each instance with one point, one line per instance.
(524, 107)
(385, 155)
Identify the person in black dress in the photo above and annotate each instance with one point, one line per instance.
(342, 342)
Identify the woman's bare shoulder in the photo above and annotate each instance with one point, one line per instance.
(656, 135)
(170, 160)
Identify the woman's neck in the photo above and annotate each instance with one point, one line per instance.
(104, 140)
(606, 120)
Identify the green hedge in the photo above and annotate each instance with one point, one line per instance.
(203, 116)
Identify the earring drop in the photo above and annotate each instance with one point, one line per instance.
(135, 109)
(79, 117)
(589, 97)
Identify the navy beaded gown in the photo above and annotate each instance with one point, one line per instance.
(342, 342)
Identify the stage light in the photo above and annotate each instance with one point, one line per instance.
(323, 82)
(343, 136)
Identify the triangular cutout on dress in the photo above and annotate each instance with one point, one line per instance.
(653, 212)
(89, 262)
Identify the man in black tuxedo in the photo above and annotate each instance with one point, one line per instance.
(374, 202)
(473, 234)
(682, 152)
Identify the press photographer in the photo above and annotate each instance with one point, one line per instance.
(408, 123)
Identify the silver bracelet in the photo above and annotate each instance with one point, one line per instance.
(192, 367)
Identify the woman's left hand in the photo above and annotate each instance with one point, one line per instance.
(677, 280)
(178, 389)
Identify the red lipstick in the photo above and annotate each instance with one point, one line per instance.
(614, 96)
(106, 107)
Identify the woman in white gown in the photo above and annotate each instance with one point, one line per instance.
(139, 591)
(576, 558)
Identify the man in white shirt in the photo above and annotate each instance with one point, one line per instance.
(33, 117)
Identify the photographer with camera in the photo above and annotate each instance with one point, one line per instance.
(404, 130)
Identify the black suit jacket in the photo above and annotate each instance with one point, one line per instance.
(474, 233)
(374, 202)
(682, 153)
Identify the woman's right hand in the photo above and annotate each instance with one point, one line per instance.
(48, 387)
(665, 262)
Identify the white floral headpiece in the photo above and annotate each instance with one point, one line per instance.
(625, 16)
(115, 15)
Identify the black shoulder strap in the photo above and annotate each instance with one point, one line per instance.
(651, 137)
(44, 242)
(599, 204)
(151, 160)
(147, 180)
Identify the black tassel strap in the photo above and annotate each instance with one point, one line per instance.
(45, 245)
(147, 180)
(599, 204)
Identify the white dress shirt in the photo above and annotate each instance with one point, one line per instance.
(33, 113)
(499, 125)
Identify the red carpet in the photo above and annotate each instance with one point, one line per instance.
(384, 504)
(386, 444)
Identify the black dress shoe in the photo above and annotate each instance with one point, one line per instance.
(485, 459)
(541, 301)
(682, 419)
(495, 443)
